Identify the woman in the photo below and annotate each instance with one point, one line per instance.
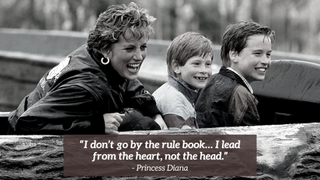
(89, 91)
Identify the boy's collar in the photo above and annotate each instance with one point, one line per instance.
(184, 88)
(243, 79)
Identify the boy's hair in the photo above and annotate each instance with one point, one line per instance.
(236, 36)
(185, 46)
(116, 21)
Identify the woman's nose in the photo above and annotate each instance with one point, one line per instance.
(138, 55)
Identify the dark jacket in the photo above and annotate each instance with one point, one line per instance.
(226, 101)
(73, 96)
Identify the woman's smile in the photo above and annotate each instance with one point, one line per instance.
(133, 67)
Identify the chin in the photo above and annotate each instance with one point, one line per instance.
(202, 85)
(197, 86)
(259, 79)
(131, 77)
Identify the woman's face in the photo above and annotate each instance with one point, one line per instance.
(126, 55)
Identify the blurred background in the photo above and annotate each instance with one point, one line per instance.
(296, 22)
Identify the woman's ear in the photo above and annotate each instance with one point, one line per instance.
(175, 66)
(105, 52)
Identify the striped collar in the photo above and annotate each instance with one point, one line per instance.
(184, 88)
(243, 79)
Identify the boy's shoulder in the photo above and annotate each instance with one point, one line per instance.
(167, 92)
(227, 76)
(223, 79)
(171, 101)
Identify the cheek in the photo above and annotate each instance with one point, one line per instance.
(209, 70)
(188, 72)
(144, 54)
(121, 60)
(118, 64)
(185, 75)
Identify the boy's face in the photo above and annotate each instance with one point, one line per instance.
(196, 71)
(254, 60)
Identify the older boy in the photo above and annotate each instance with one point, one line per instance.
(227, 99)
(189, 59)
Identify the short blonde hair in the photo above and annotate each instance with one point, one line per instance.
(116, 21)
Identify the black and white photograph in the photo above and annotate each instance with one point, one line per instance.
(160, 89)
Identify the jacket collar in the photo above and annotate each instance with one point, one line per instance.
(243, 79)
(184, 88)
(237, 77)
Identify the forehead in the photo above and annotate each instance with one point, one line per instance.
(135, 33)
(200, 58)
(259, 40)
(129, 38)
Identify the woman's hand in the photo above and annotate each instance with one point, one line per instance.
(158, 119)
(112, 122)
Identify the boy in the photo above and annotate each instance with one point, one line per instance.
(227, 99)
(189, 59)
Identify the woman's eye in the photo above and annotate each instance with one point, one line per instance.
(129, 49)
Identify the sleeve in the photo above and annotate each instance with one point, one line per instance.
(134, 120)
(174, 121)
(243, 107)
(70, 109)
(139, 98)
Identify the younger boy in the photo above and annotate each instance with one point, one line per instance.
(189, 59)
(227, 99)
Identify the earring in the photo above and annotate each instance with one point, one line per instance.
(105, 62)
